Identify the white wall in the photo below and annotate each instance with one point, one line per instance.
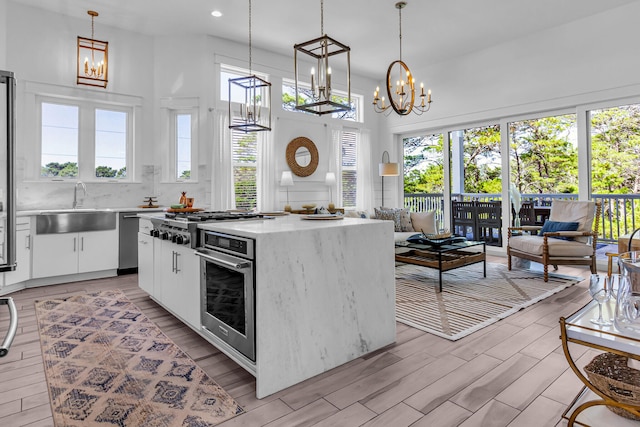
(589, 60)
(41, 51)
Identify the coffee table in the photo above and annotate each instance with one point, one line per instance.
(443, 257)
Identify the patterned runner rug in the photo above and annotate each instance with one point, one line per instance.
(107, 364)
(468, 301)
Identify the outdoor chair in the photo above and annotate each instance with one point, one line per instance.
(463, 217)
(527, 213)
(489, 222)
(569, 237)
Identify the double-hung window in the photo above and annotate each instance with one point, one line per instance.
(179, 117)
(85, 140)
(245, 169)
(348, 166)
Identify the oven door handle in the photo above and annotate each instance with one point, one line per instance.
(237, 266)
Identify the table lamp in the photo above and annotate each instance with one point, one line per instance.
(330, 180)
(287, 181)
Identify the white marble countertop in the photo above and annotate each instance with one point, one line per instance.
(279, 224)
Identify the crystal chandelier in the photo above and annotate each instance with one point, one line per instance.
(92, 59)
(402, 95)
(320, 99)
(254, 112)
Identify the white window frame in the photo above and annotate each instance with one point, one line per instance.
(86, 137)
(170, 109)
(193, 113)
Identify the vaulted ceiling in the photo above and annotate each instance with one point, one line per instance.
(433, 30)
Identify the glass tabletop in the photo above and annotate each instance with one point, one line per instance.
(439, 248)
(579, 327)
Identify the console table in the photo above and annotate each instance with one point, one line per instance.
(578, 329)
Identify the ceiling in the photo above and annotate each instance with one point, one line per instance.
(433, 30)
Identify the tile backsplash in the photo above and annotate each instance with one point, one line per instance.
(34, 195)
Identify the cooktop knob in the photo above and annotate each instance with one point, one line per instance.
(164, 235)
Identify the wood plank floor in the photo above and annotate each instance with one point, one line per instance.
(512, 373)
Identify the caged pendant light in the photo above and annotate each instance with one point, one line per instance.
(254, 111)
(324, 51)
(93, 55)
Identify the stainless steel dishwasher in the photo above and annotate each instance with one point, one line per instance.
(128, 243)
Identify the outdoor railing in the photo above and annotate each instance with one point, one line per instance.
(620, 212)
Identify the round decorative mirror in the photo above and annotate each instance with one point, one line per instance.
(302, 156)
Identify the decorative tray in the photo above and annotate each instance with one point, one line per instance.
(275, 213)
(425, 240)
(322, 216)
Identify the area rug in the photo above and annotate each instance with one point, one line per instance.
(468, 301)
(107, 364)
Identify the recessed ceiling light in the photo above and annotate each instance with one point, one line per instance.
(216, 13)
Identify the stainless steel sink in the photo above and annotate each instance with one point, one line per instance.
(74, 221)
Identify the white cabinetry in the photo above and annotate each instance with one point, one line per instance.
(72, 253)
(22, 272)
(178, 279)
(145, 262)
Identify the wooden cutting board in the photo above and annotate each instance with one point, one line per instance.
(185, 210)
(147, 206)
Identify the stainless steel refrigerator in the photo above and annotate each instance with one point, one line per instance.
(7, 173)
(7, 195)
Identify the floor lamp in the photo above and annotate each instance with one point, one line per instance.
(387, 169)
(287, 181)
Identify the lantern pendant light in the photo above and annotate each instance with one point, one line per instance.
(93, 59)
(318, 98)
(254, 93)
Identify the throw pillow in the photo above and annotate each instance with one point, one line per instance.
(552, 226)
(424, 221)
(390, 215)
(356, 214)
(405, 218)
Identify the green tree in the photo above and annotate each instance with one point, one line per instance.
(105, 172)
(68, 169)
(482, 173)
(543, 157)
(423, 164)
(615, 149)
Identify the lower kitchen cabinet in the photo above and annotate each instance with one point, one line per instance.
(72, 253)
(145, 263)
(178, 276)
(22, 273)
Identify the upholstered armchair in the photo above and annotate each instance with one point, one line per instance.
(568, 238)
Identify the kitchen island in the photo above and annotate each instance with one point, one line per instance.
(324, 295)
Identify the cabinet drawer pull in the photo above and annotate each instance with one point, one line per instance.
(74, 244)
(27, 242)
(177, 269)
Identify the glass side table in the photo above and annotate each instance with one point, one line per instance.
(578, 329)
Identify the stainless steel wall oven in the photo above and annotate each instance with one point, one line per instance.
(228, 288)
